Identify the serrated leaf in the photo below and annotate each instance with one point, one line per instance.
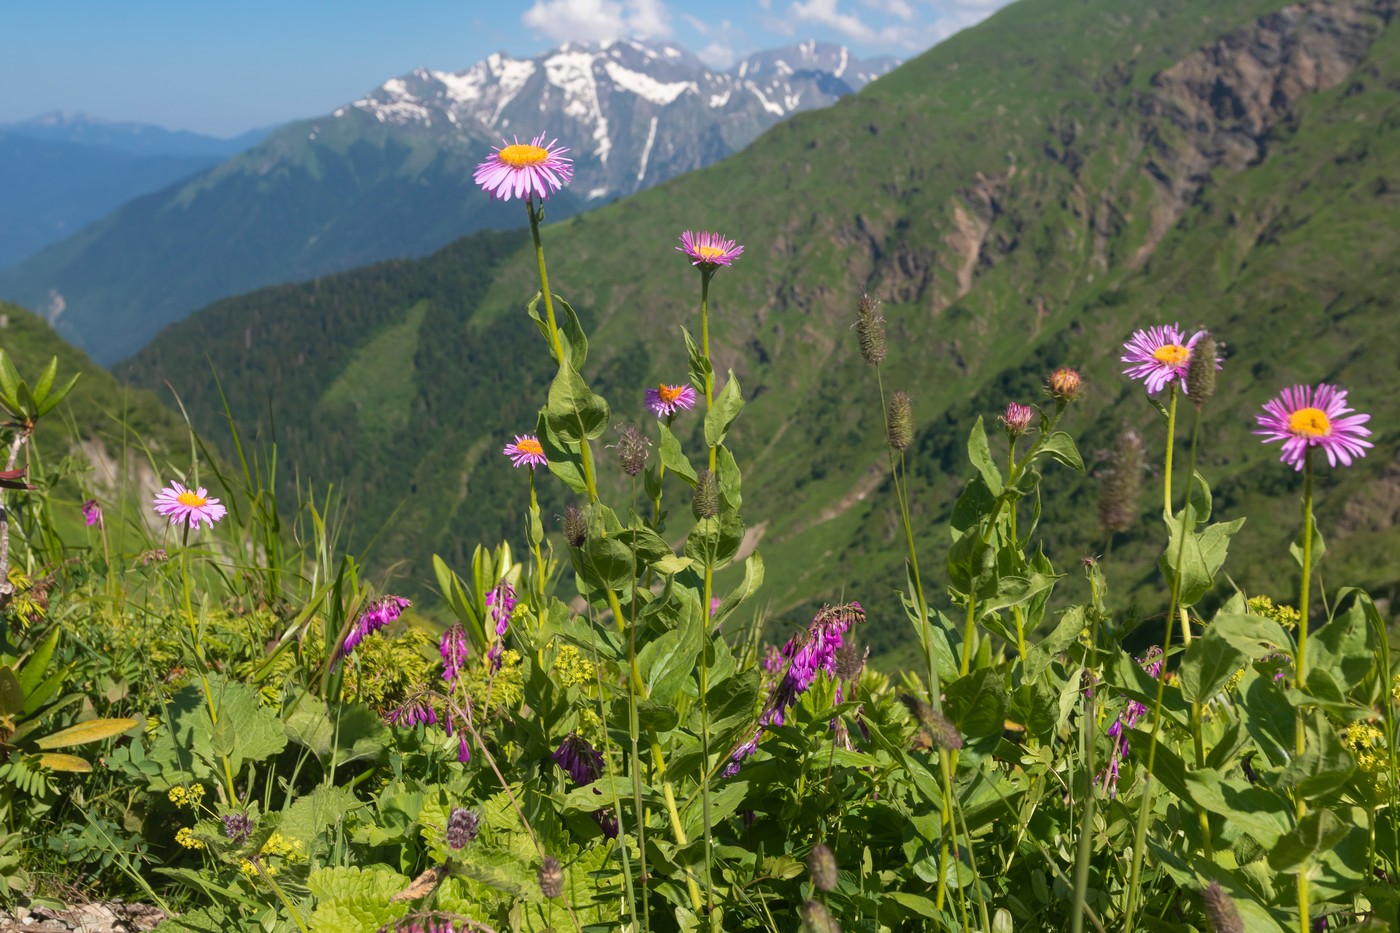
(355, 900)
(245, 730)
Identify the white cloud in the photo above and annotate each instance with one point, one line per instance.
(598, 20)
(898, 26)
(898, 8)
(718, 55)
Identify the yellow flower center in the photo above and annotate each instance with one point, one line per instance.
(530, 446)
(190, 499)
(523, 155)
(669, 393)
(709, 253)
(1172, 354)
(1310, 422)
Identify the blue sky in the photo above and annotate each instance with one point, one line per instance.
(223, 68)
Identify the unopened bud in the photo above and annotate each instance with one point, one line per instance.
(870, 330)
(551, 877)
(1017, 419)
(940, 729)
(899, 424)
(1221, 912)
(575, 528)
(1064, 385)
(1200, 369)
(462, 827)
(816, 919)
(632, 449)
(705, 504)
(850, 659)
(1122, 485)
(822, 865)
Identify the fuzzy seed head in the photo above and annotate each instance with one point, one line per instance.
(850, 660)
(870, 330)
(816, 919)
(575, 527)
(1200, 369)
(551, 877)
(941, 731)
(822, 865)
(1065, 385)
(632, 449)
(1121, 489)
(899, 424)
(705, 504)
(462, 827)
(1222, 913)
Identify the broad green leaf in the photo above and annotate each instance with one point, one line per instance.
(349, 733)
(1060, 446)
(1066, 633)
(41, 388)
(57, 761)
(1206, 665)
(56, 397)
(565, 461)
(1316, 832)
(353, 900)
(975, 504)
(722, 413)
(753, 579)
(573, 411)
(729, 481)
(245, 731)
(674, 458)
(1319, 547)
(1324, 766)
(977, 703)
(11, 693)
(37, 664)
(671, 564)
(1201, 557)
(1263, 813)
(607, 563)
(317, 814)
(668, 660)
(1253, 636)
(980, 454)
(571, 333)
(94, 730)
(1344, 646)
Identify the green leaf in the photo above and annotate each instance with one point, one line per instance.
(1315, 832)
(753, 579)
(245, 730)
(1323, 767)
(573, 411)
(729, 480)
(671, 564)
(11, 694)
(667, 661)
(1127, 676)
(56, 398)
(41, 388)
(1201, 557)
(1319, 547)
(354, 900)
(1263, 813)
(93, 730)
(674, 458)
(9, 382)
(699, 366)
(1060, 446)
(977, 703)
(722, 413)
(1207, 664)
(37, 665)
(565, 461)
(1066, 633)
(570, 333)
(352, 733)
(980, 454)
(608, 563)
(1253, 636)
(317, 814)
(1016, 591)
(1343, 646)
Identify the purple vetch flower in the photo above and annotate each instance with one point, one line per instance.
(742, 752)
(581, 761)
(375, 616)
(607, 822)
(462, 827)
(1160, 355)
(92, 513)
(524, 169)
(412, 713)
(773, 659)
(501, 601)
(1304, 416)
(665, 400)
(453, 648)
(464, 751)
(1127, 720)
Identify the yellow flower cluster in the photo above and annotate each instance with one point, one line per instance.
(1366, 743)
(186, 838)
(1286, 616)
(572, 668)
(279, 845)
(251, 871)
(190, 796)
(1395, 689)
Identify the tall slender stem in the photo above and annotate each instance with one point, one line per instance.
(705, 273)
(1300, 673)
(1084, 847)
(1171, 445)
(535, 545)
(634, 730)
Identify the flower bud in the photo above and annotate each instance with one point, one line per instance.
(1017, 419)
(551, 877)
(899, 425)
(941, 731)
(1200, 369)
(1064, 385)
(870, 330)
(816, 919)
(1221, 912)
(705, 504)
(575, 528)
(1122, 484)
(462, 827)
(632, 449)
(822, 865)
(850, 660)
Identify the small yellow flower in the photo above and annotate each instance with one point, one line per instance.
(186, 838)
(190, 796)
(573, 669)
(279, 845)
(1395, 689)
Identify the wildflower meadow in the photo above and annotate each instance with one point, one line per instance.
(207, 705)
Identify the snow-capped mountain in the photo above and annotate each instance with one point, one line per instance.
(390, 176)
(635, 112)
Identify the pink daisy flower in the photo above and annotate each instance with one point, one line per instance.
(524, 169)
(185, 505)
(708, 250)
(1159, 356)
(1304, 417)
(526, 451)
(665, 400)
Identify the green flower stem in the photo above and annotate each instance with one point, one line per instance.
(200, 664)
(706, 272)
(1016, 545)
(1171, 444)
(1198, 742)
(281, 895)
(535, 545)
(1084, 847)
(679, 830)
(1300, 672)
(1145, 805)
(634, 730)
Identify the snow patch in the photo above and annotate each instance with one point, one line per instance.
(572, 73)
(768, 105)
(841, 68)
(594, 193)
(719, 100)
(645, 86)
(646, 152)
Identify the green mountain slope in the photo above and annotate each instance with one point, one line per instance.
(1022, 196)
